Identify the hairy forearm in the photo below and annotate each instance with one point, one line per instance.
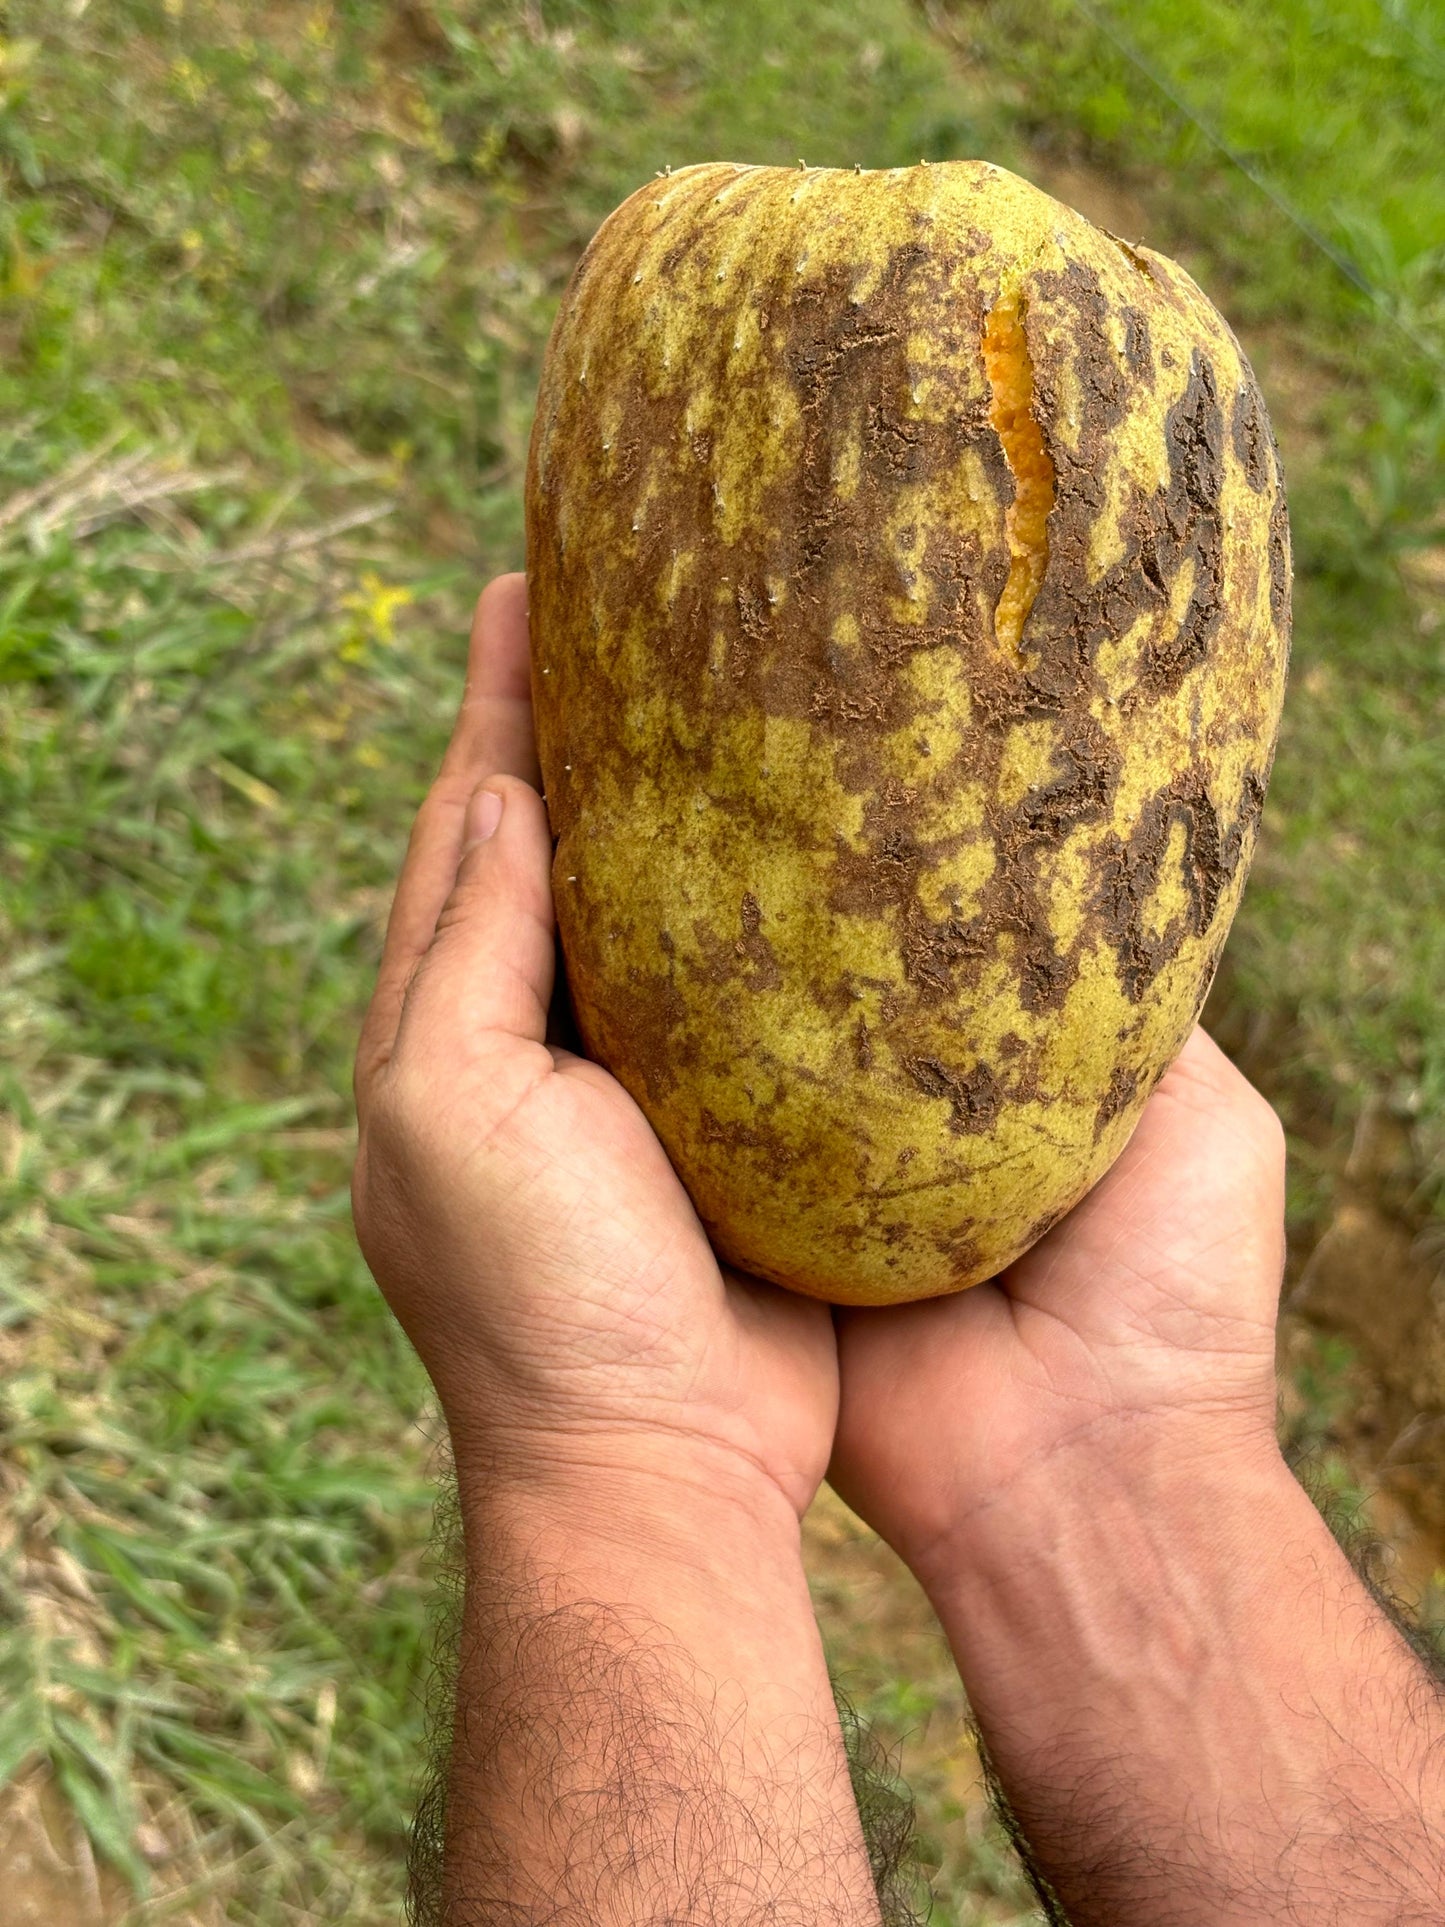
(1195, 1708)
(645, 1730)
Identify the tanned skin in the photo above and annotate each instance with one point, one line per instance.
(1198, 1712)
(1200, 1715)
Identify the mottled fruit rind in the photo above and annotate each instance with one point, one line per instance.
(909, 603)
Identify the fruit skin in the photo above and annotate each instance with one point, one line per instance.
(889, 912)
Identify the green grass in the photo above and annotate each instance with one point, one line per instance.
(216, 1505)
(273, 288)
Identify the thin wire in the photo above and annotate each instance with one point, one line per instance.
(1347, 267)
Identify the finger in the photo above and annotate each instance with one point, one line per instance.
(492, 736)
(493, 733)
(487, 973)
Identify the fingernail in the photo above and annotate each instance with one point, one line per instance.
(484, 813)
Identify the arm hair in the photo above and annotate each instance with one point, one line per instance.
(1369, 1556)
(572, 1675)
(885, 1807)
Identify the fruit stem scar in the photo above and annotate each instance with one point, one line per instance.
(1010, 371)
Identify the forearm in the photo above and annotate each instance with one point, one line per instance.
(1196, 1709)
(645, 1728)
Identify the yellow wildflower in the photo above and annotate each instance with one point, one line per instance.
(374, 605)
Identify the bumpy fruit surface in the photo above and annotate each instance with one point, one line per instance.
(909, 601)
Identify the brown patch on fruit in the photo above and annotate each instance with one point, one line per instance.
(1194, 437)
(1250, 436)
(654, 1032)
(763, 973)
(1180, 524)
(880, 876)
(1279, 563)
(973, 1097)
(846, 363)
(1238, 844)
(1105, 382)
(1087, 351)
(862, 1045)
(938, 954)
(1137, 351)
(959, 1250)
(737, 1136)
(1082, 792)
(1041, 1227)
(1131, 873)
(942, 953)
(1123, 1083)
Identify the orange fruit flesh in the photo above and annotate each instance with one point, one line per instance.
(1011, 379)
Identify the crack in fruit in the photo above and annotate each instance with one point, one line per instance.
(1010, 373)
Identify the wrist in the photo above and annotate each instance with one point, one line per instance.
(1165, 1472)
(688, 1534)
(692, 1561)
(1173, 1655)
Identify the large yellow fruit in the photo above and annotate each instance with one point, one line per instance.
(910, 601)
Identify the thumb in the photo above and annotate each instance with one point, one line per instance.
(489, 966)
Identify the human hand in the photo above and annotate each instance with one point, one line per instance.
(1195, 1709)
(1145, 1317)
(514, 1205)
